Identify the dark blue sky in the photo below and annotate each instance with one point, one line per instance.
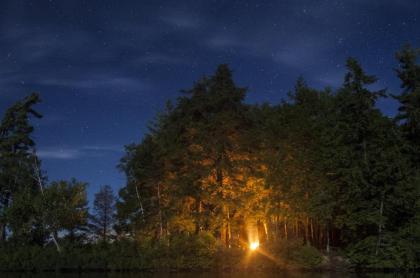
(105, 68)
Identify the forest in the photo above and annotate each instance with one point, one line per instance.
(322, 179)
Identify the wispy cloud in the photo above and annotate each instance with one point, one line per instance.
(160, 58)
(301, 52)
(59, 153)
(221, 41)
(96, 82)
(71, 153)
(298, 52)
(35, 44)
(181, 19)
(33, 47)
(103, 148)
(333, 79)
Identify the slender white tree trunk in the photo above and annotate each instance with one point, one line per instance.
(41, 187)
(140, 203)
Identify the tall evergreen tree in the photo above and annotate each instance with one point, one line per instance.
(17, 171)
(216, 111)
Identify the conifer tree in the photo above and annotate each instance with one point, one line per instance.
(103, 218)
(17, 159)
(409, 110)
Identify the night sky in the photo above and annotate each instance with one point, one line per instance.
(105, 68)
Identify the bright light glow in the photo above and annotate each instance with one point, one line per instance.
(254, 245)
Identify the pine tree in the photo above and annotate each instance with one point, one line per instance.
(409, 110)
(17, 172)
(103, 218)
(216, 111)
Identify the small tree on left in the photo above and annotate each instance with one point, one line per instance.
(103, 218)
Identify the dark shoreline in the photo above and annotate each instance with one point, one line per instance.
(219, 270)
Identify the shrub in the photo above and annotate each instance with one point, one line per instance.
(306, 256)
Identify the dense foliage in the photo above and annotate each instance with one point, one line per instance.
(322, 175)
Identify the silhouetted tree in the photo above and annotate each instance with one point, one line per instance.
(103, 217)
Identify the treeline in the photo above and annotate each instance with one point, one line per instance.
(34, 212)
(323, 172)
(325, 166)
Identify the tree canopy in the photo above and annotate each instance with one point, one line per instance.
(323, 170)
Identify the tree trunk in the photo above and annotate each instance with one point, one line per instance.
(328, 239)
(140, 203)
(223, 234)
(321, 237)
(285, 230)
(229, 235)
(41, 187)
(160, 213)
(3, 232)
(307, 231)
(198, 223)
(56, 243)
(364, 151)
(105, 225)
(265, 230)
(312, 231)
(381, 209)
(4, 225)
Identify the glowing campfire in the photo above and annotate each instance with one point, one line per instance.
(254, 245)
